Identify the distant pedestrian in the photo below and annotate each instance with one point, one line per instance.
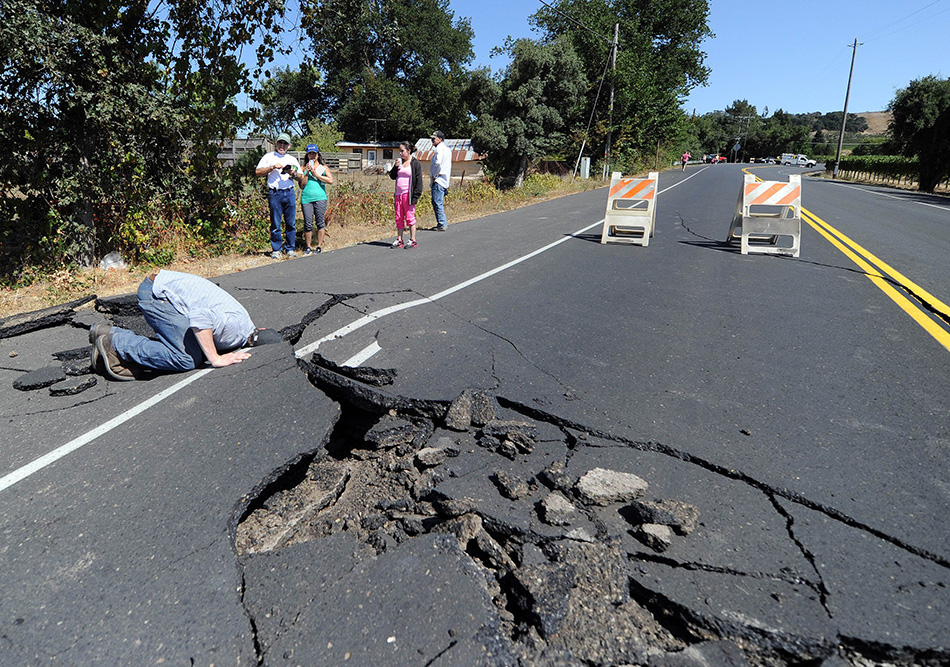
(407, 172)
(313, 197)
(440, 174)
(194, 320)
(281, 170)
(686, 158)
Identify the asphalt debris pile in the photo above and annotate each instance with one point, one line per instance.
(553, 551)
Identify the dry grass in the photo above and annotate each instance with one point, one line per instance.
(67, 285)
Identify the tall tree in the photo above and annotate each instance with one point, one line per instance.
(920, 125)
(398, 60)
(533, 107)
(106, 103)
(658, 63)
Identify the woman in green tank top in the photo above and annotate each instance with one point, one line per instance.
(313, 197)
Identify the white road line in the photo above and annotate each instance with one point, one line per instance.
(383, 312)
(889, 196)
(86, 438)
(362, 355)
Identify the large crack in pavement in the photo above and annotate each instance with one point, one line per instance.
(574, 563)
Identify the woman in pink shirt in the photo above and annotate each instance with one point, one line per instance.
(407, 172)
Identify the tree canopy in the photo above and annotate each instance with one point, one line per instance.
(107, 104)
(920, 126)
(529, 112)
(658, 63)
(402, 61)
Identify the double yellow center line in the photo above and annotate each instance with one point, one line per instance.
(883, 275)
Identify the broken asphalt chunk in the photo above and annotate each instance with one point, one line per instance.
(39, 379)
(681, 517)
(657, 537)
(510, 487)
(73, 386)
(471, 408)
(390, 431)
(429, 457)
(22, 323)
(376, 377)
(74, 367)
(602, 487)
(557, 510)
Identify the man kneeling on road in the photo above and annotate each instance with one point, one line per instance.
(194, 320)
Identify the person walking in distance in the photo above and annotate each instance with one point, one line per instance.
(313, 197)
(407, 172)
(440, 174)
(281, 170)
(686, 158)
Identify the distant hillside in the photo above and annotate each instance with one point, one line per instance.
(877, 121)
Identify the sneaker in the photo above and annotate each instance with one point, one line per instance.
(318, 250)
(276, 255)
(308, 252)
(97, 330)
(114, 367)
(439, 228)
(411, 244)
(398, 243)
(291, 254)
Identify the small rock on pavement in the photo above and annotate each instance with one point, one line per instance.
(681, 517)
(390, 431)
(429, 457)
(556, 510)
(602, 487)
(38, 379)
(73, 386)
(657, 537)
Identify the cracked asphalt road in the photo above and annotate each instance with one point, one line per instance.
(802, 412)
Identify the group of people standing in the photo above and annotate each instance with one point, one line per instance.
(283, 170)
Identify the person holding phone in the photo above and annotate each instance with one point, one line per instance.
(407, 172)
(281, 169)
(313, 197)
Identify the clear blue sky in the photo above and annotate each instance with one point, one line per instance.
(789, 55)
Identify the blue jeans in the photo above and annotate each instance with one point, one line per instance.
(176, 349)
(283, 204)
(438, 204)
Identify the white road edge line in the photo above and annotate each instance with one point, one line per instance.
(383, 312)
(889, 196)
(71, 446)
(47, 459)
(362, 355)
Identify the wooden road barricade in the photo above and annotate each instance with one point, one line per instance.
(631, 209)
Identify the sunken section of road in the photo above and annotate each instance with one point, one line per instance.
(484, 532)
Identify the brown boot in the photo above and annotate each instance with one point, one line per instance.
(110, 362)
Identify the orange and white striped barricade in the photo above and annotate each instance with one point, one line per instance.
(631, 209)
(768, 213)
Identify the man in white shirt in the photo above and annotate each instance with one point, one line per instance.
(440, 172)
(281, 170)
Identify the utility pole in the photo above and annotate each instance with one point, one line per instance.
(844, 116)
(610, 120)
(376, 120)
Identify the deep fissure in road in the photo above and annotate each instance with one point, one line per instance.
(562, 553)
